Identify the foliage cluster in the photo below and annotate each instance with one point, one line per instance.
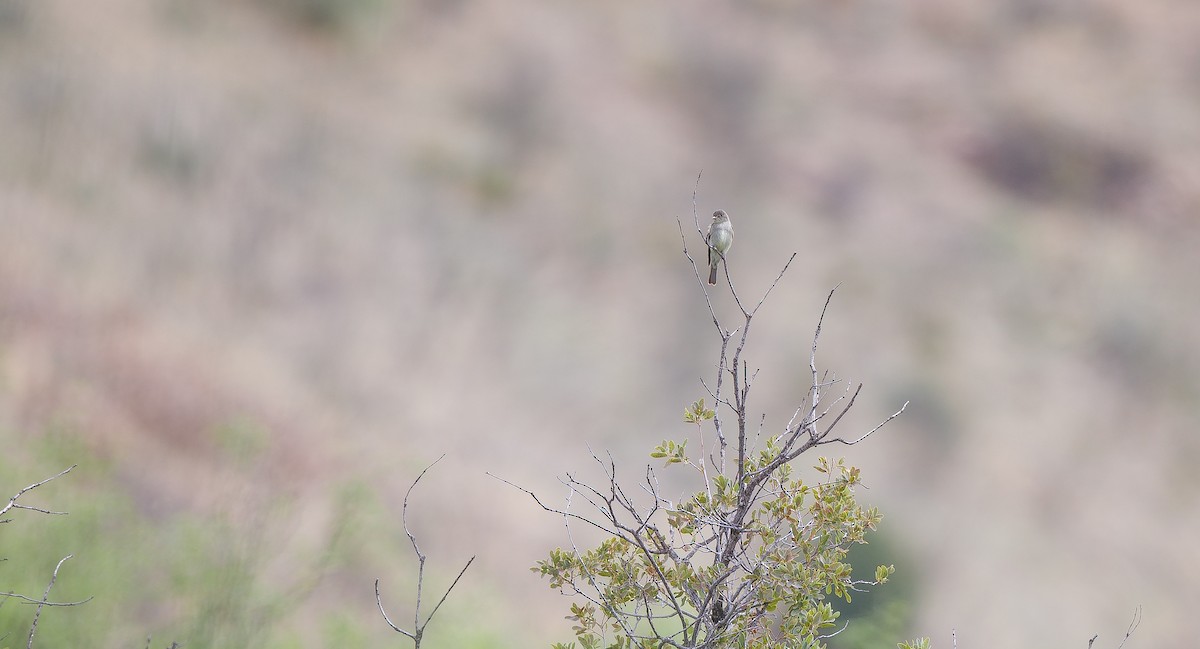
(661, 579)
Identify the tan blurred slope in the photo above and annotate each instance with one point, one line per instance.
(451, 228)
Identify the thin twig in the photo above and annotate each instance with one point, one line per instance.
(846, 409)
(869, 432)
(772, 286)
(379, 602)
(1133, 625)
(12, 502)
(696, 270)
(46, 595)
(30, 600)
(45, 600)
(830, 635)
(812, 363)
(447, 593)
(553, 510)
(416, 549)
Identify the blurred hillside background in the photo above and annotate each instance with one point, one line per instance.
(261, 262)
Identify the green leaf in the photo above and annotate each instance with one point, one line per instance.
(883, 572)
(697, 413)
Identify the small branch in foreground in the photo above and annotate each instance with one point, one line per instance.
(418, 626)
(46, 595)
(30, 600)
(12, 502)
(45, 599)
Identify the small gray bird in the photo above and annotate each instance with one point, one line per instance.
(719, 239)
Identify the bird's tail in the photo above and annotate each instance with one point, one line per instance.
(712, 275)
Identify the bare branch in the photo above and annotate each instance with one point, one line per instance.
(418, 626)
(53, 577)
(379, 603)
(552, 510)
(696, 271)
(869, 432)
(30, 600)
(1133, 625)
(772, 286)
(416, 549)
(815, 389)
(846, 409)
(447, 593)
(830, 635)
(12, 502)
(45, 599)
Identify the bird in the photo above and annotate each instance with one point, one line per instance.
(719, 239)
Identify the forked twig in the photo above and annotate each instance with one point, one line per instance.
(12, 502)
(418, 626)
(45, 599)
(1133, 625)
